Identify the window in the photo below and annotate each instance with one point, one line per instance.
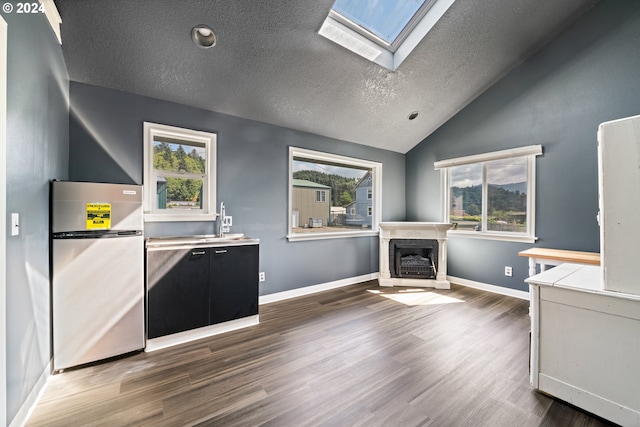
(492, 195)
(385, 31)
(332, 196)
(179, 174)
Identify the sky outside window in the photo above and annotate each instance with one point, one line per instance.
(384, 18)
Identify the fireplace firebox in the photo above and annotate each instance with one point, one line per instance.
(413, 258)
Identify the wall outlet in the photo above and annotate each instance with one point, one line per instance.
(262, 276)
(508, 271)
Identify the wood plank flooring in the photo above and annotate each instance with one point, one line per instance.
(355, 356)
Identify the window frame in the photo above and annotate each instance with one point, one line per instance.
(209, 140)
(376, 176)
(529, 153)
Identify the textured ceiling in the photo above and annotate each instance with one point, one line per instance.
(271, 65)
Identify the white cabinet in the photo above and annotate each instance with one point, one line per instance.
(585, 344)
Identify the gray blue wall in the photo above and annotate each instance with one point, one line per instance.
(586, 76)
(37, 150)
(590, 74)
(106, 145)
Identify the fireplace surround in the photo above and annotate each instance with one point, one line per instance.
(414, 254)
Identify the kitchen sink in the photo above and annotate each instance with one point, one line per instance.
(215, 237)
(202, 240)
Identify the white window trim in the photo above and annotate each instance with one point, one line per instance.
(346, 37)
(53, 16)
(530, 152)
(208, 212)
(376, 173)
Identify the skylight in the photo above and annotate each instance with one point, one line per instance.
(385, 19)
(383, 31)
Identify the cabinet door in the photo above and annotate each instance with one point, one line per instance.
(234, 283)
(177, 290)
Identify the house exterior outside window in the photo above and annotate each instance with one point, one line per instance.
(360, 210)
(310, 200)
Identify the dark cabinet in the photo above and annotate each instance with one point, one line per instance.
(177, 290)
(234, 283)
(191, 288)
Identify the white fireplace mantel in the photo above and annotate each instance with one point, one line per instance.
(414, 230)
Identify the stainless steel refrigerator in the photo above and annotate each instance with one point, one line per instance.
(98, 271)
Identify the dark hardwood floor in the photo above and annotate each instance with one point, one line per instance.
(359, 355)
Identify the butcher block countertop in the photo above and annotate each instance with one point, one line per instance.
(591, 258)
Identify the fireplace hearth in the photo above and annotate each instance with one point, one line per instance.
(413, 254)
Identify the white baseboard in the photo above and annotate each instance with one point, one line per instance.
(159, 343)
(32, 399)
(307, 290)
(490, 288)
(280, 296)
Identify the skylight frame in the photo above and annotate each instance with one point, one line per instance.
(400, 38)
(358, 43)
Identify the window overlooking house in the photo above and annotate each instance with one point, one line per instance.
(332, 195)
(491, 195)
(179, 174)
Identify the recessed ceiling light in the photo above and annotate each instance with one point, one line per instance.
(413, 115)
(203, 37)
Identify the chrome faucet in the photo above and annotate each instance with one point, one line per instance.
(224, 221)
(221, 227)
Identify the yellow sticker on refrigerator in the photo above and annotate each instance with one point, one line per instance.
(98, 216)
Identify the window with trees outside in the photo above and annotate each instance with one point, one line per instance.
(179, 174)
(491, 195)
(332, 195)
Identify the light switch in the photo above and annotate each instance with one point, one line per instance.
(15, 224)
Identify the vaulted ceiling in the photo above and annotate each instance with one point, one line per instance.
(270, 64)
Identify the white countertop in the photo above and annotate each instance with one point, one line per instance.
(579, 277)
